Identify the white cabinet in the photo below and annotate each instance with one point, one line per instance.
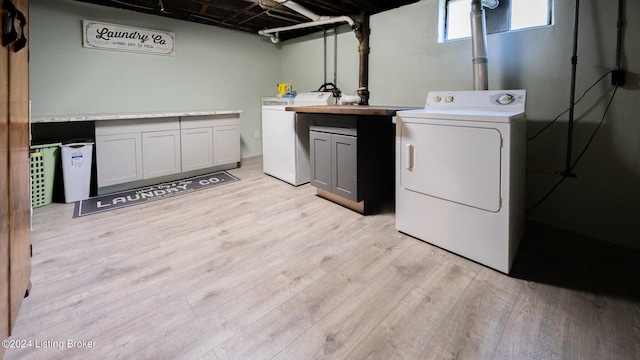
(140, 149)
(226, 144)
(160, 153)
(197, 148)
(118, 158)
(136, 149)
(209, 140)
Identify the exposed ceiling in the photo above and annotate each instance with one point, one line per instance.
(253, 15)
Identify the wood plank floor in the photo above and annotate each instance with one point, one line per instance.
(259, 269)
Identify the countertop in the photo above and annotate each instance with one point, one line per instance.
(348, 109)
(125, 116)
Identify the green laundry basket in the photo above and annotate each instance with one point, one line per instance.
(43, 170)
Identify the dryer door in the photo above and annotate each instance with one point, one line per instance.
(453, 163)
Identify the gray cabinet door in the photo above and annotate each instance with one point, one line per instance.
(320, 159)
(344, 166)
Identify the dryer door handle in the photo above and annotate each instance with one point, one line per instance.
(408, 158)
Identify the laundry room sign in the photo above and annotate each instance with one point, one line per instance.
(99, 35)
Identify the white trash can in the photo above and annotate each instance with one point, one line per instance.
(76, 169)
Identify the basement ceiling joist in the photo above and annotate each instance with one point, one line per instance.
(252, 15)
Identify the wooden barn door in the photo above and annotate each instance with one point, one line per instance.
(15, 204)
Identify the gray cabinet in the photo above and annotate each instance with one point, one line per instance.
(351, 159)
(334, 160)
(344, 166)
(320, 159)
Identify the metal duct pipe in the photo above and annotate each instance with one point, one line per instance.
(479, 46)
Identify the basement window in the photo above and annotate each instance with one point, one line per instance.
(510, 15)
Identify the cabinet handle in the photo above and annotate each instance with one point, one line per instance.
(408, 159)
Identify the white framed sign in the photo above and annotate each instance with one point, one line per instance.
(99, 35)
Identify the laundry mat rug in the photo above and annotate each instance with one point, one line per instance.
(156, 192)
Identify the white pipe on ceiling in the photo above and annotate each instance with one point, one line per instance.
(330, 20)
(274, 33)
(301, 9)
(317, 20)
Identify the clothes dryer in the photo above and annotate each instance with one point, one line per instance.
(460, 174)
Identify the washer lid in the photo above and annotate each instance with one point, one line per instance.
(268, 101)
(314, 98)
(274, 107)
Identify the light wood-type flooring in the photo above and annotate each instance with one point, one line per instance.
(259, 269)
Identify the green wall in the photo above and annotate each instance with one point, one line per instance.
(213, 68)
(216, 68)
(407, 61)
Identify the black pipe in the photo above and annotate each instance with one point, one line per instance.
(574, 62)
(618, 75)
(362, 33)
(619, 43)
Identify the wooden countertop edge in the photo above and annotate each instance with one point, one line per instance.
(348, 109)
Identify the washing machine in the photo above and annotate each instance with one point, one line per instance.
(460, 167)
(279, 144)
(285, 138)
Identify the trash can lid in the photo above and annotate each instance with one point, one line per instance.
(78, 141)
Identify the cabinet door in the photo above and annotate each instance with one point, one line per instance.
(118, 158)
(344, 166)
(160, 153)
(320, 159)
(197, 148)
(226, 144)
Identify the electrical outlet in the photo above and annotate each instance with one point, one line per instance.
(618, 77)
(256, 135)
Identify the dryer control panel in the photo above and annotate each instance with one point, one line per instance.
(494, 100)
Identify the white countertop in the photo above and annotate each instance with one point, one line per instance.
(125, 116)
